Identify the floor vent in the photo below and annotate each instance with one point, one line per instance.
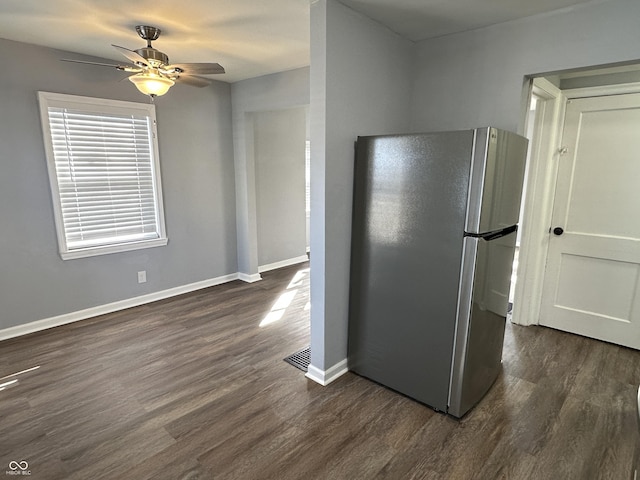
(300, 359)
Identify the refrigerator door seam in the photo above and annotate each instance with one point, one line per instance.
(477, 173)
(463, 313)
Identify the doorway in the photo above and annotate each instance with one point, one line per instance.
(279, 151)
(582, 167)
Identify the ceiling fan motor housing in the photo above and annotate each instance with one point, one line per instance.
(154, 55)
(149, 34)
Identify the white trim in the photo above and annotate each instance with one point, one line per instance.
(249, 278)
(71, 317)
(538, 206)
(283, 263)
(325, 377)
(117, 248)
(603, 90)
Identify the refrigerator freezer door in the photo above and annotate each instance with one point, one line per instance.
(409, 210)
(482, 311)
(497, 177)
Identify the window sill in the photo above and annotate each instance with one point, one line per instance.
(105, 250)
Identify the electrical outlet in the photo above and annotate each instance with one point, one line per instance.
(142, 276)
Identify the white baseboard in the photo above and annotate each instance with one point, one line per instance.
(283, 263)
(249, 278)
(325, 377)
(71, 317)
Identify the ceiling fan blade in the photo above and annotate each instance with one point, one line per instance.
(193, 80)
(197, 68)
(123, 68)
(89, 63)
(131, 55)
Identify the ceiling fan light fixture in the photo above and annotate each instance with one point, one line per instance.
(151, 83)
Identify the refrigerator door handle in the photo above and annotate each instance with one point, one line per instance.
(488, 236)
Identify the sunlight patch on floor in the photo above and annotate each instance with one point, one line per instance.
(282, 303)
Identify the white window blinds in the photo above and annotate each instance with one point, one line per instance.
(105, 178)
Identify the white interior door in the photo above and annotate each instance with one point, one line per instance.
(592, 277)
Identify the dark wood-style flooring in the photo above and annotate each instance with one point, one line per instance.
(194, 388)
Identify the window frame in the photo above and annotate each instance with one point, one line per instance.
(99, 106)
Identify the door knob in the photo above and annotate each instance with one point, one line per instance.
(558, 231)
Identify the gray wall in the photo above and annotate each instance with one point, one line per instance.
(476, 78)
(270, 92)
(198, 186)
(279, 150)
(360, 85)
(600, 80)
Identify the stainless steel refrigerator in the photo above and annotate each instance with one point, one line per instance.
(434, 232)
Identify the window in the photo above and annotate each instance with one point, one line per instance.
(102, 157)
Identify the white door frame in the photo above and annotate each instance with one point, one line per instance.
(538, 205)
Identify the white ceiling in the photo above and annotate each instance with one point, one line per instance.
(248, 37)
(422, 19)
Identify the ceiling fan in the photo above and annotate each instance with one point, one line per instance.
(153, 75)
